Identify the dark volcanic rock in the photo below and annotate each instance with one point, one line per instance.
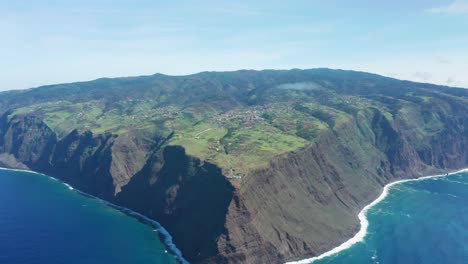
(303, 203)
(187, 197)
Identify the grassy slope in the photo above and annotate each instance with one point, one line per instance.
(238, 120)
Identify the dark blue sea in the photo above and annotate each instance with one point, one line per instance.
(422, 221)
(42, 221)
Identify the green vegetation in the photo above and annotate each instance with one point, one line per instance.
(64, 116)
(238, 120)
(237, 141)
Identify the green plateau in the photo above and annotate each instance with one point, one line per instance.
(245, 166)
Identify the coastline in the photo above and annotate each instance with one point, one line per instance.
(364, 223)
(166, 238)
(164, 235)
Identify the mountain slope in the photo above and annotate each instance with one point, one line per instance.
(246, 166)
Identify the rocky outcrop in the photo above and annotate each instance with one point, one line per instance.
(28, 139)
(304, 203)
(83, 160)
(188, 197)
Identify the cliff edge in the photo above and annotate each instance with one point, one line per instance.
(303, 196)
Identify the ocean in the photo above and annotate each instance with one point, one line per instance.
(423, 221)
(43, 221)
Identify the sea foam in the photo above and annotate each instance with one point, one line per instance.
(359, 236)
(164, 234)
(68, 185)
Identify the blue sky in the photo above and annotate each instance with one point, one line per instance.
(53, 41)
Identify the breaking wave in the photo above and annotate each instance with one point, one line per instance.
(162, 232)
(359, 236)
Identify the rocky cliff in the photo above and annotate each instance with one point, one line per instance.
(303, 203)
(189, 197)
(300, 204)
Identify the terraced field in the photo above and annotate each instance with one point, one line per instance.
(237, 125)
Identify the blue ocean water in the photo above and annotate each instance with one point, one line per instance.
(42, 221)
(418, 222)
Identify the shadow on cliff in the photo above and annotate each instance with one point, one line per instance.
(188, 197)
(83, 160)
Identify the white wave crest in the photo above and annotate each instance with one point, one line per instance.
(167, 238)
(359, 236)
(68, 185)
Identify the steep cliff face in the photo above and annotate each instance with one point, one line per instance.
(83, 160)
(306, 202)
(187, 197)
(129, 154)
(302, 204)
(356, 139)
(318, 192)
(28, 139)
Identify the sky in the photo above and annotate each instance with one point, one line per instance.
(54, 41)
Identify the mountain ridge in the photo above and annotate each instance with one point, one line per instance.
(162, 75)
(240, 167)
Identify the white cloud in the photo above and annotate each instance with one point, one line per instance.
(418, 67)
(458, 7)
(421, 76)
(441, 60)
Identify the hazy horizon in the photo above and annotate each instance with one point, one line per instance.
(52, 41)
(194, 73)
